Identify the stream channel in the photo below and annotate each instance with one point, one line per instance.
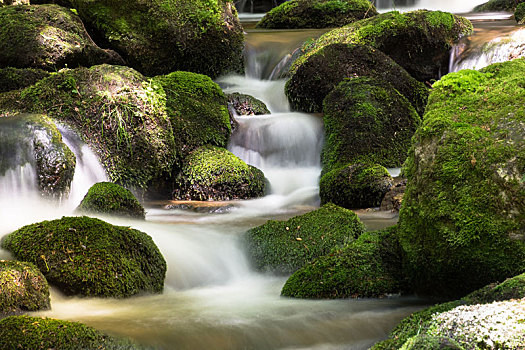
(212, 298)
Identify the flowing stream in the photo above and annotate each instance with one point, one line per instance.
(212, 298)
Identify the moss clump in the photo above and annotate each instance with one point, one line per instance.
(15, 78)
(197, 109)
(244, 104)
(418, 41)
(213, 173)
(366, 121)
(462, 222)
(116, 110)
(370, 266)
(519, 14)
(47, 37)
(427, 342)
(498, 5)
(24, 332)
(89, 257)
(322, 71)
(285, 246)
(162, 36)
(23, 287)
(112, 199)
(296, 14)
(353, 186)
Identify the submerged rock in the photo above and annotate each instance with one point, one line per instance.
(23, 286)
(322, 71)
(462, 223)
(498, 5)
(285, 246)
(368, 267)
(89, 257)
(111, 199)
(213, 173)
(19, 78)
(295, 14)
(25, 332)
(159, 37)
(244, 104)
(419, 41)
(48, 37)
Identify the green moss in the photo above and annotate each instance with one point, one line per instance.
(498, 5)
(418, 41)
(463, 214)
(285, 246)
(367, 121)
(89, 257)
(322, 71)
(23, 287)
(213, 173)
(423, 341)
(14, 78)
(112, 199)
(316, 14)
(24, 332)
(367, 267)
(519, 14)
(162, 36)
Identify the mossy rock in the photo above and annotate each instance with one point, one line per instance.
(112, 199)
(213, 173)
(357, 185)
(162, 36)
(23, 287)
(427, 342)
(419, 41)
(370, 266)
(34, 139)
(322, 71)
(19, 78)
(498, 5)
(89, 257)
(295, 14)
(197, 109)
(116, 110)
(25, 332)
(462, 222)
(367, 121)
(285, 246)
(47, 37)
(519, 14)
(244, 104)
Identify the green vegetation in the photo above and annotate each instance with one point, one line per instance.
(370, 266)
(112, 199)
(15, 78)
(213, 173)
(358, 185)
(285, 246)
(463, 213)
(23, 287)
(519, 14)
(89, 257)
(162, 36)
(294, 14)
(47, 37)
(418, 41)
(247, 105)
(24, 332)
(427, 342)
(498, 5)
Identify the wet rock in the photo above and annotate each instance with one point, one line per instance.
(498, 5)
(207, 208)
(393, 198)
(244, 104)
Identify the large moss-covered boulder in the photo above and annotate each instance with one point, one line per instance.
(323, 70)
(285, 246)
(519, 14)
(47, 37)
(357, 185)
(244, 104)
(498, 5)
(19, 78)
(213, 173)
(89, 257)
(462, 222)
(23, 287)
(25, 332)
(367, 121)
(418, 41)
(370, 266)
(111, 199)
(116, 110)
(294, 14)
(34, 139)
(162, 36)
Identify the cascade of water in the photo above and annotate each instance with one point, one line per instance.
(453, 6)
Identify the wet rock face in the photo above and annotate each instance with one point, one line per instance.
(48, 37)
(498, 5)
(244, 104)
